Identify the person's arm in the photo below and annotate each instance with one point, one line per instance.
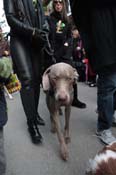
(76, 3)
(15, 23)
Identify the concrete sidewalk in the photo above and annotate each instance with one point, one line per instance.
(24, 158)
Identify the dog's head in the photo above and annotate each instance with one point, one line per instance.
(104, 162)
(60, 78)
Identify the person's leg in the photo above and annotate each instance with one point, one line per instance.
(21, 54)
(76, 102)
(92, 81)
(3, 120)
(37, 72)
(3, 108)
(106, 87)
(2, 154)
(114, 100)
(114, 116)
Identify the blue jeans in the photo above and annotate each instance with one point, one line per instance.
(3, 109)
(3, 120)
(106, 84)
(2, 154)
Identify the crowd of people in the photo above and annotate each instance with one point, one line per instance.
(87, 43)
(36, 42)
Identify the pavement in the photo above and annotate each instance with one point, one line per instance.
(25, 158)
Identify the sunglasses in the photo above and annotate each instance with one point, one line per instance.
(58, 1)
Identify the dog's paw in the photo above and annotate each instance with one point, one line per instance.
(67, 140)
(64, 152)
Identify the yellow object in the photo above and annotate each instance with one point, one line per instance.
(14, 84)
(58, 28)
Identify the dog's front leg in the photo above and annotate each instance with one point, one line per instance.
(67, 121)
(63, 146)
(53, 124)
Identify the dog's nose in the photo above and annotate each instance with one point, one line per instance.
(62, 97)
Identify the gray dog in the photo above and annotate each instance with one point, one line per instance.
(58, 82)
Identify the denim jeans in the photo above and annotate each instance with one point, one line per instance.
(2, 154)
(3, 120)
(3, 109)
(106, 84)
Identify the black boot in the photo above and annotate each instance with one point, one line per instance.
(34, 132)
(40, 121)
(77, 103)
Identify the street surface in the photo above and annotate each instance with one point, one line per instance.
(25, 158)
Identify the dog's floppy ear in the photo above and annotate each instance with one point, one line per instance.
(45, 79)
(76, 75)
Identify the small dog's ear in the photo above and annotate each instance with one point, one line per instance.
(76, 76)
(45, 79)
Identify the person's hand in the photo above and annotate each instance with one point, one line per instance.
(39, 37)
(78, 48)
(6, 53)
(39, 34)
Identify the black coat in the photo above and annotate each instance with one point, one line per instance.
(57, 39)
(20, 15)
(25, 48)
(96, 21)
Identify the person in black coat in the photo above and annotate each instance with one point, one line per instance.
(96, 21)
(27, 38)
(60, 35)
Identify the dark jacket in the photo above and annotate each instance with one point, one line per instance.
(57, 39)
(96, 21)
(23, 19)
(24, 11)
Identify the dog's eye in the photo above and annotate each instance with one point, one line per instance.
(55, 78)
(69, 78)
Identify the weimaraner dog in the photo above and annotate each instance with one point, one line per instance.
(58, 82)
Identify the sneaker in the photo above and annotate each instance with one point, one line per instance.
(106, 136)
(92, 84)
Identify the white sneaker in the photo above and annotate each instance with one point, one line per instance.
(106, 136)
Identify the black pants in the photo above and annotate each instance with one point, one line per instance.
(27, 65)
